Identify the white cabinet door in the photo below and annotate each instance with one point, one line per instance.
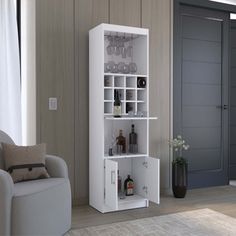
(111, 194)
(146, 173)
(153, 179)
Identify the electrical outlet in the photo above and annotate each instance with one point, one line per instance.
(52, 104)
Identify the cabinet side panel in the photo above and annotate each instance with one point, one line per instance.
(96, 119)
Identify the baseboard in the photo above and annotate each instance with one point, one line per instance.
(166, 192)
(80, 201)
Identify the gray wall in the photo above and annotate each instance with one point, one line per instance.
(62, 71)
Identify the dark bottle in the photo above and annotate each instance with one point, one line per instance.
(141, 82)
(119, 182)
(117, 105)
(121, 143)
(133, 145)
(129, 186)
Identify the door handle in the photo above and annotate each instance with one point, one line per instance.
(113, 177)
(224, 107)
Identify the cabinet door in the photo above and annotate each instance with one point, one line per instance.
(153, 179)
(111, 194)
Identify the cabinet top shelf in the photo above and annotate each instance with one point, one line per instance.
(129, 118)
(126, 75)
(109, 28)
(127, 155)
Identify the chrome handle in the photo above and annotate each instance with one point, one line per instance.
(225, 107)
(113, 177)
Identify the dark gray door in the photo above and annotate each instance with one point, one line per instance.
(233, 101)
(201, 92)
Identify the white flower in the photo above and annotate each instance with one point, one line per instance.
(179, 144)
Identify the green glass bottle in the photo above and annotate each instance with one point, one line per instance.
(117, 104)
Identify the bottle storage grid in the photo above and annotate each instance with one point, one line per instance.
(133, 99)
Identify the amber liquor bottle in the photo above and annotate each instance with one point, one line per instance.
(121, 143)
(129, 186)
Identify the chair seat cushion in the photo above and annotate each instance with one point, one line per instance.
(41, 207)
(36, 186)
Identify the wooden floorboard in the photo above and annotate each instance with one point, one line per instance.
(221, 199)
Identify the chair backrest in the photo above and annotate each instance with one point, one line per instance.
(4, 138)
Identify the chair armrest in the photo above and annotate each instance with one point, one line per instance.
(56, 167)
(6, 194)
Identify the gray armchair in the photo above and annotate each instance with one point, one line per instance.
(37, 207)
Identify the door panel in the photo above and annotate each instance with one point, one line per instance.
(233, 76)
(153, 179)
(233, 57)
(233, 155)
(198, 50)
(203, 137)
(233, 114)
(198, 28)
(211, 157)
(146, 172)
(201, 72)
(191, 117)
(201, 91)
(139, 168)
(111, 194)
(232, 163)
(201, 95)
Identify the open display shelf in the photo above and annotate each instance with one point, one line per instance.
(118, 61)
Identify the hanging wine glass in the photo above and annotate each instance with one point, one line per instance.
(122, 48)
(110, 47)
(117, 46)
(132, 67)
(130, 48)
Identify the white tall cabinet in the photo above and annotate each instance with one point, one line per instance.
(103, 127)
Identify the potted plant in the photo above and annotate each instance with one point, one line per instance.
(179, 167)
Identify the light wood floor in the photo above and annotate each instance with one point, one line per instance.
(221, 199)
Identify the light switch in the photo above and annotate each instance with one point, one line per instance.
(52, 104)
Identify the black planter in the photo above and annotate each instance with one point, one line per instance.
(179, 179)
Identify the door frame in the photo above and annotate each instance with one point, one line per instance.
(177, 51)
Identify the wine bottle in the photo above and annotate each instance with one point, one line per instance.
(129, 186)
(133, 145)
(117, 105)
(141, 82)
(121, 143)
(119, 183)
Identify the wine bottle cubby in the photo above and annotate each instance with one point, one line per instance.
(130, 94)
